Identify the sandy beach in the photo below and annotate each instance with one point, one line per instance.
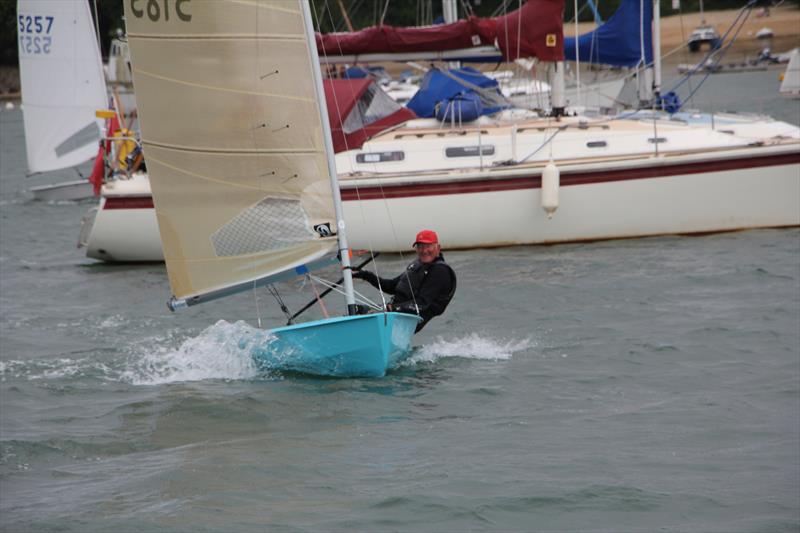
(784, 21)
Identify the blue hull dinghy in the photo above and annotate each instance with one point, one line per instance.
(348, 346)
(251, 198)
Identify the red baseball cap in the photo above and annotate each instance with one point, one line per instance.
(426, 236)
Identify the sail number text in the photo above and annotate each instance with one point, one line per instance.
(34, 34)
(160, 9)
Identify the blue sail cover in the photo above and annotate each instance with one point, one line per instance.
(439, 89)
(619, 41)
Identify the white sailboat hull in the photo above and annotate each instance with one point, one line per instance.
(123, 227)
(751, 188)
(704, 201)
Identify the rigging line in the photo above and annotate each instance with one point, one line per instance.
(385, 9)
(274, 292)
(501, 8)
(547, 141)
(335, 287)
(347, 147)
(748, 8)
(375, 170)
(319, 298)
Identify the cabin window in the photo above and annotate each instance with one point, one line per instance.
(372, 106)
(380, 157)
(657, 140)
(469, 151)
(596, 144)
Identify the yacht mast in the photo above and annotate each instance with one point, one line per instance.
(344, 249)
(657, 49)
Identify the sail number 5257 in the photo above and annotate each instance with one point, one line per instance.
(34, 34)
(157, 10)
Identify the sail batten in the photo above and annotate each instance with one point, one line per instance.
(234, 143)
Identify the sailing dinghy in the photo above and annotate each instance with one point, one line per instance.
(235, 132)
(63, 84)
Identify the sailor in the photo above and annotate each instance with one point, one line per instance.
(427, 285)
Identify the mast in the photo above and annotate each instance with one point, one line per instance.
(450, 15)
(577, 57)
(344, 250)
(657, 49)
(449, 11)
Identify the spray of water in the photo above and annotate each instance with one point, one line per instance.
(225, 351)
(473, 346)
(221, 351)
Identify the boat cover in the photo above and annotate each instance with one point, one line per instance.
(438, 88)
(541, 36)
(622, 41)
(358, 109)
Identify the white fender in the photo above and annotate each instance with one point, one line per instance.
(551, 178)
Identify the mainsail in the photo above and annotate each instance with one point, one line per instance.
(234, 140)
(61, 74)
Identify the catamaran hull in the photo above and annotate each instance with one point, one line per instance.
(645, 197)
(352, 346)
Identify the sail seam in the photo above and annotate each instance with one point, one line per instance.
(219, 37)
(222, 89)
(253, 151)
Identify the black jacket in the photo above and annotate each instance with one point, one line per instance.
(423, 290)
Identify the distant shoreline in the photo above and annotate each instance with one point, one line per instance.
(783, 20)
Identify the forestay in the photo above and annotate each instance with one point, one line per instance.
(62, 81)
(233, 138)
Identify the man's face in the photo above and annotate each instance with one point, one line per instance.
(427, 252)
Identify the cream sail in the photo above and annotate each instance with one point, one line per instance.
(241, 162)
(62, 81)
(233, 139)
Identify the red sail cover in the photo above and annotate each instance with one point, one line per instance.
(534, 30)
(359, 109)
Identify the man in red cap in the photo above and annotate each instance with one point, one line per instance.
(426, 286)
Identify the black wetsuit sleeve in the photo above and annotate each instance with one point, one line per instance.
(428, 298)
(386, 285)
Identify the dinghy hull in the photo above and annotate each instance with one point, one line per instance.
(350, 346)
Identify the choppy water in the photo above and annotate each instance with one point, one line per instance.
(639, 385)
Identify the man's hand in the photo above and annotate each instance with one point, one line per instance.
(366, 275)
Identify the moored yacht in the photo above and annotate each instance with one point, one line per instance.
(481, 184)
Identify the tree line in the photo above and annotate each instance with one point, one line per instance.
(361, 14)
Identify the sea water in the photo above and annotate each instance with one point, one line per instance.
(637, 385)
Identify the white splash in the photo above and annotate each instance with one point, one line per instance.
(221, 351)
(472, 346)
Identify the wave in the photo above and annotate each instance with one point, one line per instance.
(223, 351)
(473, 346)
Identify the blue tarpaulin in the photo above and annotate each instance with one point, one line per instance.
(438, 88)
(619, 42)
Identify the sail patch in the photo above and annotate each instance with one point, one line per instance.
(271, 224)
(88, 134)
